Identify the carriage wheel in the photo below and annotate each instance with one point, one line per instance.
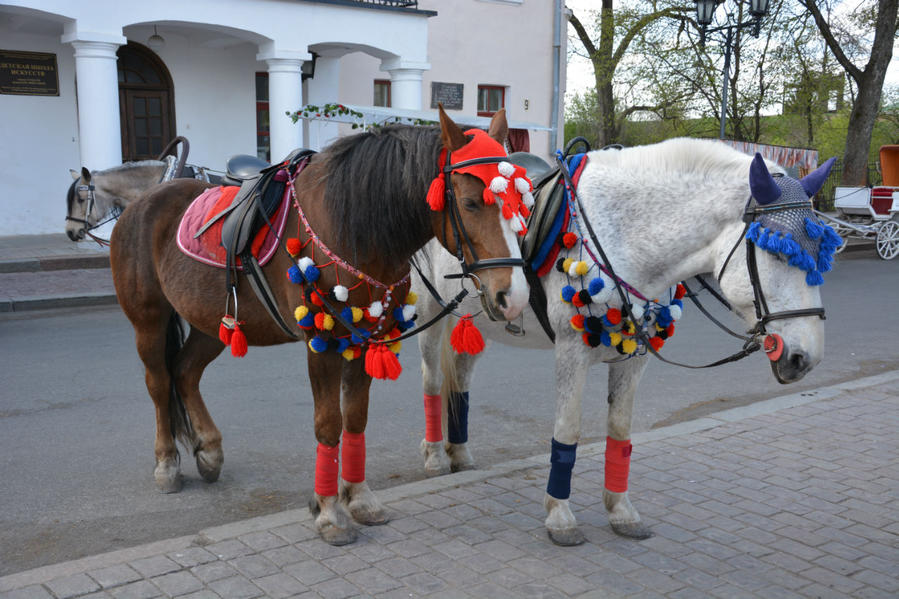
(888, 239)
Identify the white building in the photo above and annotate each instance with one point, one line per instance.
(99, 82)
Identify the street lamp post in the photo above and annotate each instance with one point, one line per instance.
(705, 14)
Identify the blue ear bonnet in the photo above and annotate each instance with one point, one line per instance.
(795, 233)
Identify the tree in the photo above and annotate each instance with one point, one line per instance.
(868, 82)
(606, 58)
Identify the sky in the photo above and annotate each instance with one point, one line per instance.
(580, 71)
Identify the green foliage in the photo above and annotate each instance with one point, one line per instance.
(329, 110)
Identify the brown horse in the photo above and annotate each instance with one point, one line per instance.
(364, 198)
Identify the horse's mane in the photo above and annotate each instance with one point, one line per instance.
(701, 157)
(131, 166)
(376, 189)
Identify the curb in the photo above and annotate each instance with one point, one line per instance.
(28, 304)
(72, 262)
(236, 529)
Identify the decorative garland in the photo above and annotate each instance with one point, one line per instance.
(779, 242)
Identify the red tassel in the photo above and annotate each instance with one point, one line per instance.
(381, 363)
(373, 365)
(225, 334)
(680, 291)
(238, 343)
(466, 338)
(436, 191)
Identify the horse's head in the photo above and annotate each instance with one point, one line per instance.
(480, 209)
(785, 251)
(81, 205)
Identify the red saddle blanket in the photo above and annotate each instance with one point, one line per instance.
(207, 248)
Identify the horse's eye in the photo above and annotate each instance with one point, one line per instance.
(471, 205)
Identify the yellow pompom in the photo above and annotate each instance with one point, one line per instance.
(660, 329)
(327, 322)
(357, 314)
(301, 312)
(348, 354)
(396, 347)
(628, 328)
(581, 269)
(567, 264)
(411, 298)
(616, 338)
(628, 346)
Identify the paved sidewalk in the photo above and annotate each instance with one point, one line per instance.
(790, 497)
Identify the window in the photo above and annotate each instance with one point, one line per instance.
(263, 140)
(382, 93)
(490, 99)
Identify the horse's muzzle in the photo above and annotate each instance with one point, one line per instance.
(77, 235)
(791, 366)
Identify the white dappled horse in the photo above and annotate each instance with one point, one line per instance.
(662, 213)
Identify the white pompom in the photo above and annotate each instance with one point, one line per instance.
(604, 295)
(305, 263)
(408, 311)
(522, 185)
(376, 309)
(499, 184)
(637, 311)
(528, 199)
(572, 270)
(505, 169)
(515, 223)
(675, 311)
(341, 293)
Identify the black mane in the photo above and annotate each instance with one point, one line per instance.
(70, 198)
(376, 190)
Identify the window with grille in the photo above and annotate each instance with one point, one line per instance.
(490, 99)
(382, 93)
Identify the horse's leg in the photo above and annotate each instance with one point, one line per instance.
(572, 362)
(456, 395)
(432, 448)
(332, 521)
(363, 505)
(198, 432)
(623, 380)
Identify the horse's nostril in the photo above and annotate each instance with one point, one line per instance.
(799, 361)
(501, 299)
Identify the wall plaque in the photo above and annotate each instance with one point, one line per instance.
(449, 94)
(28, 73)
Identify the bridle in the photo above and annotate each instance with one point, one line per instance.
(763, 314)
(91, 200)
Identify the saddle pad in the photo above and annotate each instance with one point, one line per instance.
(207, 248)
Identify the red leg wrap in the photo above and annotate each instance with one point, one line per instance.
(433, 412)
(353, 457)
(326, 467)
(618, 464)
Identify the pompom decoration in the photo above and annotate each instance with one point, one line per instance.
(656, 343)
(577, 322)
(596, 285)
(507, 170)
(613, 315)
(569, 240)
(411, 298)
(566, 264)
(499, 184)
(466, 338)
(238, 342)
(226, 329)
(324, 322)
(567, 293)
(521, 185)
(436, 199)
(376, 309)
(317, 344)
(637, 311)
(340, 292)
(581, 268)
(356, 314)
(528, 199)
(629, 346)
(680, 291)
(309, 269)
(300, 313)
(381, 363)
(294, 275)
(675, 311)
(408, 312)
(293, 247)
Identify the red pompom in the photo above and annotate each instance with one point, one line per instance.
(367, 315)
(656, 343)
(576, 301)
(466, 338)
(680, 291)
(577, 321)
(669, 330)
(293, 246)
(315, 298)
(436, 191)
(238, 343)
(569, 239)
(614, 315)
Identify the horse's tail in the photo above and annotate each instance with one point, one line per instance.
(450, 382)
(179, 419)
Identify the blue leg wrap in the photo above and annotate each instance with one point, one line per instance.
(457, 418)
(561, 464)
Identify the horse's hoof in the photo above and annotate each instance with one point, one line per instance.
(460, 457)
(367, 516)
(437, 463)
(464, 466)
(168, 477)
(209, 464)
(632, 530)
(332, 535)
(566, 537)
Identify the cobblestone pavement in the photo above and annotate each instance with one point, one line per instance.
(791, 497)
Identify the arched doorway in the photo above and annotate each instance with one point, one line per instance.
(146, 103)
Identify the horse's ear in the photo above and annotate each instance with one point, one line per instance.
(761, 183)
(85, 174)
(499, 127)
(452, 136)
(75, 174)
(814, 181)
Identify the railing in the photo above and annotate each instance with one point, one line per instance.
(413, 4)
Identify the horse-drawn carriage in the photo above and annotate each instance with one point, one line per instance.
(871, 213)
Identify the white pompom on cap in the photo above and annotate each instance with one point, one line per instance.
(522, 185)
(505, 168)
(499, 184)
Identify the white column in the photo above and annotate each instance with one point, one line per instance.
(405, 82)
(323, 88)
(285, 94)
(99, 124)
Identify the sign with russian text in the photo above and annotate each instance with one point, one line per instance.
(28, 73)
(448, 94)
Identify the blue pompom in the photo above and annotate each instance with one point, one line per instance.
(347, 314)
(342, 344)
(568, 292)
(398, 314)
(678, 303)
(595, 286)
(813, 229)
(664, 317)
(825, 261)
(307, 321)
(790, 247)
(312, 273)
(294, 274)
(605, 339)
(814, 278)
(318, 344)
(753, 232)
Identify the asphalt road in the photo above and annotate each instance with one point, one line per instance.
(76, 424)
